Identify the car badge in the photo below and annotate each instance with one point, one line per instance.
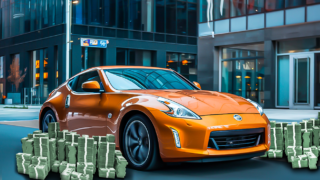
(237, 117)
(109, 115)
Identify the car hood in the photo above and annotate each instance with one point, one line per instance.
(204, 102)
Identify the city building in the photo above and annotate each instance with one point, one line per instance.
(44, 42)
(264, 50)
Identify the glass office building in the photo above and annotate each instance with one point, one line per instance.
(138, 32)
(264, 50)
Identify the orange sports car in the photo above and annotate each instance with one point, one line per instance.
(158, 116)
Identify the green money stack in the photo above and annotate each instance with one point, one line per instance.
(71, 153)
(117, 153)
(110, 138)
(40, 161)
(72, 137)
(307, 139)
(30, 136)
(293, 151)
(106, 154)
(53, 150)
(66, 174)
(306, 125)
(41, 135)
(62, 134)
(95, 153)
(41, 148)
(27, 146)
(293, 135)
(55, 166)
(312, 149)
(64, 165)
(85, 149)
(300, 161)
(312, 160)
(37, 132)
(53, 129)
(120, 166)
(272, 153)
(23, 161)
(315, 138)
(281, 125)
(37, 172)
(61, 150)
(100, 139)
(272, 124)
(276, 138)
(86, 168)
(107, 173)
(79, 176)
(315, 122)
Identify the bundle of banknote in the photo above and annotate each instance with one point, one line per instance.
(293, 151)
(41, 135)
(273, 124)
(117, 153)
(315, 122)
(281, 125)
(106, 154)
(79, 176)
(120, 166)
(41, 161)
(55, 166)
(37, 171)
(276, 135)
(66, 174)
(72, 137)
(315, 137)
(23, 162)
(306, 138)
(100, 139)
(274, 153)
(27, 145)
(64, 165)
(86, 168)
(293, 135)
(312, 160)
(71, 153)
(52, 150)
(312, 149)
(110, 138)
(53, 129)
(62, 134)
(300, 161)
(107, 173)
(41, 148)
(85, 149)
(306, 124)
(61, 150)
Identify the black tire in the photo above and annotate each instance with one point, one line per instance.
(135, 143)
(47, 118)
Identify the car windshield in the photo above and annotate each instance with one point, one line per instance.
(134, 79)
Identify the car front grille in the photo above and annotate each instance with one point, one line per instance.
(236, 139)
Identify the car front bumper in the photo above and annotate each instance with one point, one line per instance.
(195, 135)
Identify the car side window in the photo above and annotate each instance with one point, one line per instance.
(89, 76)
(71, 83)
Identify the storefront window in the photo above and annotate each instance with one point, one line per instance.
(243, 74)
(238, 8)
(173, 61)
(255, 6)
(299, 45)
(272, 5)
(1, 67)
(283, 81)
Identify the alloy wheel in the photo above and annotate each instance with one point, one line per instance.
(45, 124)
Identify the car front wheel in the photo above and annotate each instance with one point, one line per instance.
(47, 118)
(140, 144)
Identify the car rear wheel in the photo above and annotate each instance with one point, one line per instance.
(140, 144)
(48, 118)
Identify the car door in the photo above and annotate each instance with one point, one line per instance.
(86, 113)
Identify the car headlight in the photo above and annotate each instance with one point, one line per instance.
(177, 110)
(259, 108)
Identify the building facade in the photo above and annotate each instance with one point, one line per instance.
(35, 44)
(264, 50)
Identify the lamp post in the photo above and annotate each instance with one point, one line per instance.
(68, 33)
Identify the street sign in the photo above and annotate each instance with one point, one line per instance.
(96, 43)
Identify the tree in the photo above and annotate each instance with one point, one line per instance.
(16, 76)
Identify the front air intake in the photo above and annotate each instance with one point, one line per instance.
(236, 139)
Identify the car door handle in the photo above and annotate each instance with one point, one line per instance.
(67, 104)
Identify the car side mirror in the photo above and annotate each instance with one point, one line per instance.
(91, 86)
(197, 84)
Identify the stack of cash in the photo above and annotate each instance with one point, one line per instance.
(315, 122)
(72, 137)
(62, 134)
(55, 166)
(27, 145)
(110, 138)
(272, 153)
(66, 174)
(37, 132)
(53, 150)
(30, 136)
(95, 153)
(64, 165)
(276, 138)
(107, 173)
(120, 166)
(312, 160)
(41, 135)
(53, 129)
(318, 115)
(293, 151)
(306, 125)
(315, 137)
(300, 161)
(41, 148)
(86, 168)
(281, 125)
(307, 139)
(85, 149)
(23, 161)
(312, 149)
(293, 135)
(61, 150)
(37, 172)
(272, 124)
(117, 153)
(100, 139)
(79, 176)
(106, 154)
(71, 152)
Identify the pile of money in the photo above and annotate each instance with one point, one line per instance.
(306, 139)
(86, 168)
(276, 138)
(66, 174)
(293, 135)
(117, 153)
(23, 162)
(272, 153)
(106, 154)
(61, 150)
(79, 176)
(64, 165)
(62, 134)
(120, 166)
(312, 160)
(41, 161)
(37, 172)
(27, 145)
(300, 161)
(306, 125)
(85, 149)
(41, 148)
(312, 149)
(52, 150)
(293, 151)
(315, 137)
(315, 122)
(55, 166)
(107, 173)
(53, 129)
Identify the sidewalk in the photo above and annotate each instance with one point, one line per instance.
(37, 106)
(290, 115)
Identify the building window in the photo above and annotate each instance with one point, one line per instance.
(192, 19)
(294, 3)
(238, 8)
(171, 16)
(122, 13)
(135, 14)
(109, 9)
(203, 11)
(221, 9)
(1, 67)
(255, 6)
(91, 57)
(272, 5)
(181, 18)
(160, 12)
(299, 45)
(242, 72)
(135, 57)
(147, 15)
(185, 64)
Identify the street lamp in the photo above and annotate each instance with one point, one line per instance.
(68, 34)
